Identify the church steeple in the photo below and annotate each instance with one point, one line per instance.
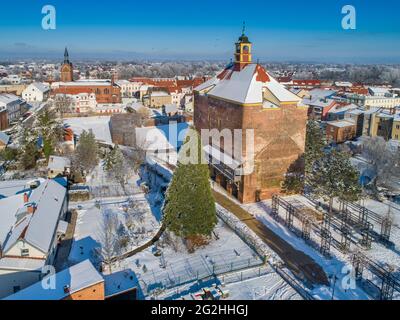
(66, 56)
(66, 68)
(243, 49)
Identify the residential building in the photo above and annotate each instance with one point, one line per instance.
(30, 229)
(396, 128)
(156, 99)
(245, 96)
(340, 131)
(15, 106)
(36, 92)
(79, 282)
(339, 110)
(58, 166)
(16, 89)
(378, 101)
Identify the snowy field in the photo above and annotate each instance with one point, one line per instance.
(338, 262)
(99, 125)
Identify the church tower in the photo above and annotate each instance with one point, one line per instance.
(67, 71)
(243, 50)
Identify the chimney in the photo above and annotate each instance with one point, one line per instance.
(26, 197)
(31, 208)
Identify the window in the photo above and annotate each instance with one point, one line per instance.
(24, 252)
(16, 288)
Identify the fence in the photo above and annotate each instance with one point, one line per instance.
(164, 283)
(246, 234)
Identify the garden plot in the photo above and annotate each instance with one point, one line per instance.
(137, 223)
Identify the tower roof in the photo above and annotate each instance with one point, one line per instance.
(243, 38)
(66, 55)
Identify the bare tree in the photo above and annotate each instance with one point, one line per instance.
(62, 104)
(384, 161)
(108, 238)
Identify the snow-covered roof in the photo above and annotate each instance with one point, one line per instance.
(37, 229)
(159, 94)
(14, 263)
(280, 92)
(41, 86)
(246, 85)
(321, 93)
(341, 109)
(58, 163)
(75, 278)
(100, 126)
(341, 123)
(4, 138)
(8, 208)
(239, 86)
(7, 98)
(91, 82)
(11, 187)
(62, 227)
(378, 91)
(165, 137)
(42, 226)
(221, 157)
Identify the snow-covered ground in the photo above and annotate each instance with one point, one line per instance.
(88, 231)
(268, 286)
(100, 126)
(338, 264)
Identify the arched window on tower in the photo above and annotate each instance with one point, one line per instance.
(106, 91)
(246, 49)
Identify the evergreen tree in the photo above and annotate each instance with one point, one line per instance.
(314, 149)
(50, 130)
(334, 176)
(28, 153)
(189, 209)
(116, 167)
(87, 151)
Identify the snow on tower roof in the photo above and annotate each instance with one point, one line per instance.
(246, 85)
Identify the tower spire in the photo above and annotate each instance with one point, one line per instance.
(66, 55)
(243, 27)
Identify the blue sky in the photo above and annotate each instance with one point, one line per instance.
(285, 30)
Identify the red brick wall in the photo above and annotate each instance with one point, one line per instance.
(3, 120)
(95, 292)
(113, 95)
(279, 139)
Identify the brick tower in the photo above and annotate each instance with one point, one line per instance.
(244, 96)
(67, 71)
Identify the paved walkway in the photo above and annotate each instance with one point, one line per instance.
(298, 262)
(65, 246)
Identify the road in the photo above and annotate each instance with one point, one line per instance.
(303, 266)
